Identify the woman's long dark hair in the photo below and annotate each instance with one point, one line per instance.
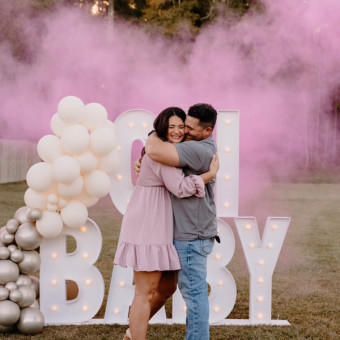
(161, 123)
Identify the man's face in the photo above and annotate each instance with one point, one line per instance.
(193, 129)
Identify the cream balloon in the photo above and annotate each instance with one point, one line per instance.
(50, 225)
(57, 125)
(9, 313)
(52, 199)
(95, 116)
(102, 141)
(87, 162)
(31, 321)
(109, 124)
(71, 110)
(39, 177)
(30, 264)
(109, 162)
(86, 199)
(49, 148)
(75, 214)
(97, 183)
(71, 190)
(75, 139)
(65, 169)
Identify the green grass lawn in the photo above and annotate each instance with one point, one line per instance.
(305, 282)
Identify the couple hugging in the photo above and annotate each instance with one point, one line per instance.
(170, 225)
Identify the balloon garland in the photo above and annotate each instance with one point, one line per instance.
(73, 175)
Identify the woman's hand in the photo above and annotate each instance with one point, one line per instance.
(136, 166)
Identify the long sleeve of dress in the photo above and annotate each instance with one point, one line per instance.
(181, 186)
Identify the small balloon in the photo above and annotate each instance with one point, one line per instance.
(11, 286)
(33, 214)
(7, 238)
(71, 190)
(52, 199)
(30, 264)
(57, 125)
(4, 293)
(9, 313)
(27, 236)
(15, 295)
(24, 280)
(50, 225)
(86, 199)
(87, 162)
(31, 321)
(9, 271)
(12, 247)
(4, 253)
(12, 226)
(35, 304)
(28, 296)
(36, 285)
(34, 199)
(49, 148)
(20, 212)
(17, 256)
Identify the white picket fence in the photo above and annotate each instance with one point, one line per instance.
(16, 157)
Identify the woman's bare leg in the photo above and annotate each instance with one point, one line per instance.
(146, 284)
(166, 287)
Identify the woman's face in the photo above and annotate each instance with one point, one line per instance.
(175, 129)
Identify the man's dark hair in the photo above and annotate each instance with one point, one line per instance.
(205, 113)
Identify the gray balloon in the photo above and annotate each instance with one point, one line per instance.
(35, 304)
(36, 285)
(12, 247)
(27, 236)
(4, 253)
(31, 321)
(7, 238)
(31, 262)
(9, 313)
(17, 256)
(28, 296)
(11, 286)
(20, 215)
(33, 214)
(24, 280)
(6, 329)
(15, 295)
(9, 271)
(4, 293)
(12, 226)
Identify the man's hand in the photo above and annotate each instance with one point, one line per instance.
(136, 166)
(214, 165)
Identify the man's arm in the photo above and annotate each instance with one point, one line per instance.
(162, 152)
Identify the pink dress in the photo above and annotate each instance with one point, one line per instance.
(146, 238)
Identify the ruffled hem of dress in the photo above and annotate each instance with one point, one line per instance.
(199, 183)
(147, 257)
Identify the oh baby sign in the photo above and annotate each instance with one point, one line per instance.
(57, 265)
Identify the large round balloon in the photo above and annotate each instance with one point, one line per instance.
(24, 280)
(75, 139)
(49, 148)
(9, 313)
(87, 162)
(109, 162)
(39, 177)
(75, 214)
(97, 183)
(12, 226)
(30, 264)
(65, 169)
(95, 116)
(31, 321)
(28, 296)
(57, 125)
(9, 272)
(50, 225)
(71, 190)
(27, 236)
(71, 110)
(34, 199)
(102, 141)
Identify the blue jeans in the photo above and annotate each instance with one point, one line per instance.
(192, 282)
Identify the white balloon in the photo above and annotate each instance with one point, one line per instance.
(49, 148)
(50, 225)
(86, 199)
(97, 183)
(102, 141)
(87, 162)
(35, 199)
(39, 177)
(71, 110)
(71, 190)
(75, 214)
(52, 207)
(109, 162)
(52, 199)
(95, 116)
(75, 139)
(109, 124)
(57, 125)
(62, 203)
(65, 169)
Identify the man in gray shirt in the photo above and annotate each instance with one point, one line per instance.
(195, 225)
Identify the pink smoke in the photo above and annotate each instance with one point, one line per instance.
(279, 67)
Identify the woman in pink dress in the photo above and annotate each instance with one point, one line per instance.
(146, 239)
